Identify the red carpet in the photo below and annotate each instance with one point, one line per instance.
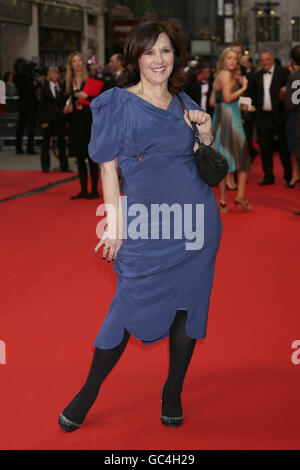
(242, 388)
(14, 182)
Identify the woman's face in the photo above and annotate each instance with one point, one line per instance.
(77, 63)
(230, 61)
(156, 64)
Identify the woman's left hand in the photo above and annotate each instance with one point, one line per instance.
(81, 95)
(203, 121)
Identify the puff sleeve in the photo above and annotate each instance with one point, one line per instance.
(106, 131)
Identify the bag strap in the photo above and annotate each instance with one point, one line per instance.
(194, 127)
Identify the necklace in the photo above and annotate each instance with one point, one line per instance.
(140, 92)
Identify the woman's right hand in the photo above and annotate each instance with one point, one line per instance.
(111, 245)
(111, 248)
(244, 82)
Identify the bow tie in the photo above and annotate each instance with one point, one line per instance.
(267, 71)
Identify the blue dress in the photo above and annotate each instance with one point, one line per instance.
(157, 273)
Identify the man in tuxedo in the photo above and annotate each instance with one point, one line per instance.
(200, 91)
(52, 120)
(292, 99)
(115, 66)
(270, 115)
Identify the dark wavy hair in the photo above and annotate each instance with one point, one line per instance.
(142, 37)
(295, 54)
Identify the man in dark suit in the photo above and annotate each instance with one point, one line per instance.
(238, 47)
(292, 99)
(270, 115)
(52, 120)
(200, 91)
(115, 67)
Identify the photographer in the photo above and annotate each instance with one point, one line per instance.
(27, 84)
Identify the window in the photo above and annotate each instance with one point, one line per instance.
(268, 28)
(92, 19)
(296, 28)
(225, 23)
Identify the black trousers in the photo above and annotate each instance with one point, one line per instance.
(82, 164)
(26, 117)
(57, 127)
(249, 121)
(266, 129)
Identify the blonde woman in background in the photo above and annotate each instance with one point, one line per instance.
(229, 135)
(80, 121)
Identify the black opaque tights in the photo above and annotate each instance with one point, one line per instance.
(181, 351)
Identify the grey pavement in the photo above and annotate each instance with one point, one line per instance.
(10, 161)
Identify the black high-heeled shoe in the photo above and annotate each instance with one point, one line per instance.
(81, 195)
(66, 425)
(170, 421)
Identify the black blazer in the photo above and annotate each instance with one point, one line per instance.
(279, 80)
(52, 108)
(194, 90)
(109, 83)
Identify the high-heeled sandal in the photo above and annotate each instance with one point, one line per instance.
(243, 203)
(170, 421)
(292, 185)
(229, 188)
(223, 206)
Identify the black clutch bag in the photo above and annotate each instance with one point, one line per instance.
(211, 165)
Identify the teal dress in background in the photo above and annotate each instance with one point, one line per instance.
(229, 135)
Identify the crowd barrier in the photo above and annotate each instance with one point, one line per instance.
(8, 123)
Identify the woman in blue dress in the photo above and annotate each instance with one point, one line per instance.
(229, 135)
(164, 280)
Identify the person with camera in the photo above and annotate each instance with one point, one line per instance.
(27, 83)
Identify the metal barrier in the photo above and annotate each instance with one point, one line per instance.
(8, 123)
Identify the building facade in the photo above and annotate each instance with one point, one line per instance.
(46, 31)
(268, 25)
(195, 19)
